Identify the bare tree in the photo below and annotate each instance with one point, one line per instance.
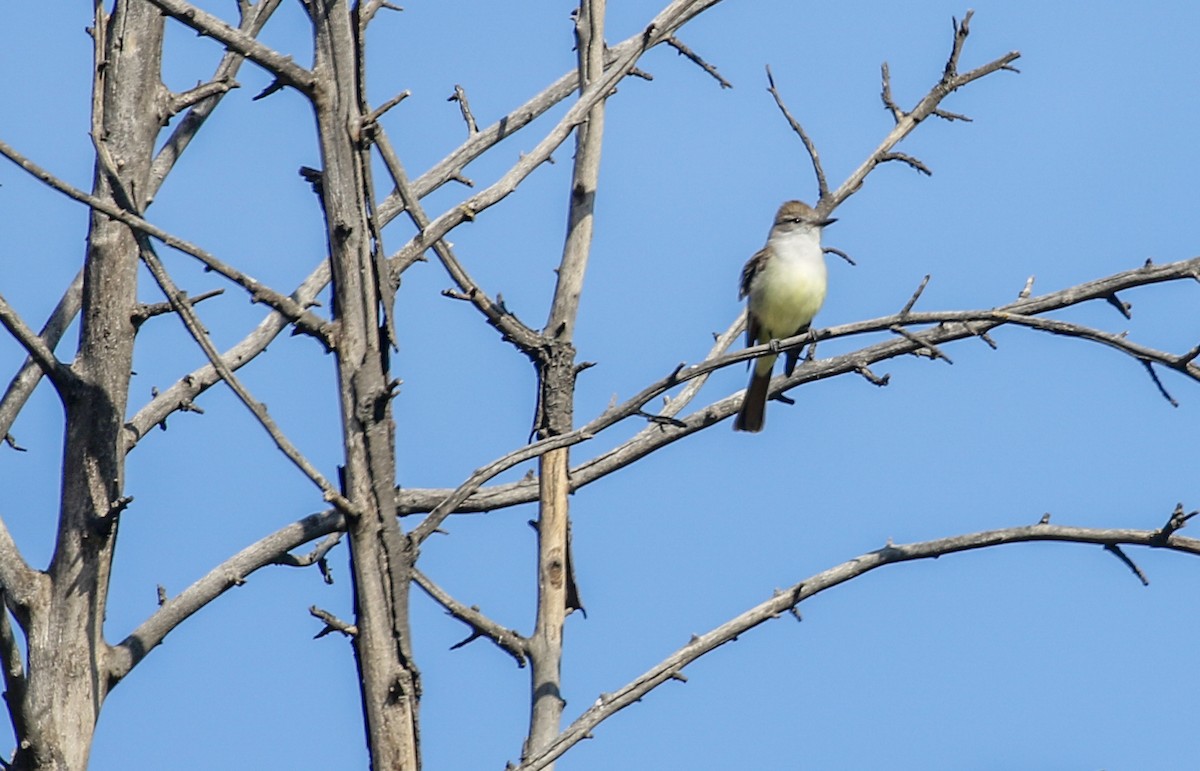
(57, 679)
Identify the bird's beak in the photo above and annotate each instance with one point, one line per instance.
(829, 221)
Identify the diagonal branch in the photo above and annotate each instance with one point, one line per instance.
(304, 319)
(34, 345)
(670, 668)
(822, 183)
(450, 167)
(187, 314)
(184, 391)
(508, 325)
(252, 23)
(286, 71)
(27, 378)
(696, 59)
(179, 300)
(450, 502)
(505, 639)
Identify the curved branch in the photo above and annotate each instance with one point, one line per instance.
(608, 704)
(124, 656)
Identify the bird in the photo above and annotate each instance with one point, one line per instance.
(784, 283)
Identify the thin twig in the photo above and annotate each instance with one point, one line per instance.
(148, 311)
(934, 351)
(683, 50)
(908, 306)
(838, 252)
(182, 101)
(460, 96)
(332, 624)
(1162, 389)
(378, 112)
(1117, 552)
(809, 145)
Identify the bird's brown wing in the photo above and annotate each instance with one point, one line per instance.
(749, 271)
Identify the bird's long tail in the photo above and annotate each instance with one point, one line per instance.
(754, 405)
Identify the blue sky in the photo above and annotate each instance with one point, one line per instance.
(1030, 656)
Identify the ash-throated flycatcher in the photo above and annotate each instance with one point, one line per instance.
(785, 283)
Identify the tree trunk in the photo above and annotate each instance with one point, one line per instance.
(381, 557)
(67, 667)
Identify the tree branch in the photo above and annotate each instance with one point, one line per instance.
(304, 319)
(952, 325)
(179, 300)
(509, 326)
(251, 24)
(663, 25)
(59, 373)
(286, 71)
(21, 386)
(449, 168)
(505, 639)
(181, 101)
(15, 680)
(191, 385)
(950, 82)
(822, 184)
(230, 573)
(184, 391)
(683, 50)
(608, 704)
